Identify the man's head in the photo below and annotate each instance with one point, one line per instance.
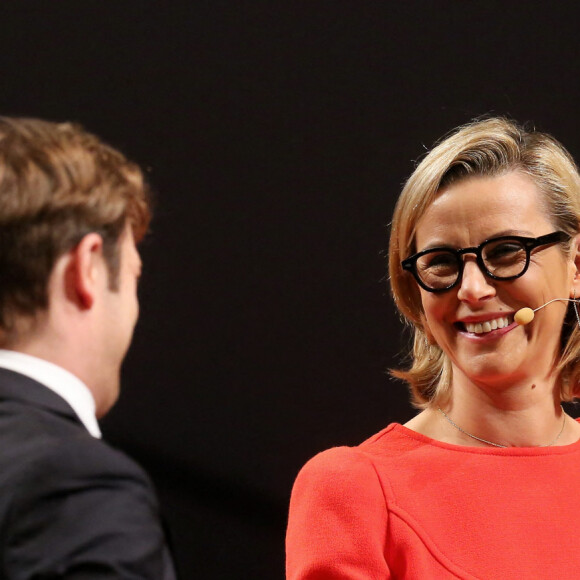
(58, 183)
(71, 210)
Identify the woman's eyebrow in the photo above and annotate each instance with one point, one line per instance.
(510, 232)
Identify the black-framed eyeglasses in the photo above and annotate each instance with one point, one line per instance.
(502, 258)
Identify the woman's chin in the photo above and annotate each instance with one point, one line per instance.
(492, 369)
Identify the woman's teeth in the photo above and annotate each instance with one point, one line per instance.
(487, 326)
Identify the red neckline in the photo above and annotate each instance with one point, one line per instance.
(509, 451)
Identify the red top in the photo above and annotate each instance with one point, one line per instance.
(401, 505)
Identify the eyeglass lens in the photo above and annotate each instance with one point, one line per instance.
(501, 258)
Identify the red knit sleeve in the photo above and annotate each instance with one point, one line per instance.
(337, 526)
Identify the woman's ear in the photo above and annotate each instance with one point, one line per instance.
(575, 267)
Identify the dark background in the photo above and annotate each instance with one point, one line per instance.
(277, 136)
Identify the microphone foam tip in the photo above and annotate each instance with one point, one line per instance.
(524, 316)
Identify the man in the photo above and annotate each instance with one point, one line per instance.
(71, 210)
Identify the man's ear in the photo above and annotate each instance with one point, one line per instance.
(575, 250)
(85, 270)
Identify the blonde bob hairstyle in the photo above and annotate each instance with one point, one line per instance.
(489, 147)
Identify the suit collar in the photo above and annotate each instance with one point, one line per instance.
(59, 380)
(17, 387)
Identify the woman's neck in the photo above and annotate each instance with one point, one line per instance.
(518, 415)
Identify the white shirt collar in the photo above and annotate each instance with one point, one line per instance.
(57, 379)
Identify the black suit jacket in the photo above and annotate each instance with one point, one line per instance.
(71, 507)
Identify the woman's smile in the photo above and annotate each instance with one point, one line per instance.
(487, 326)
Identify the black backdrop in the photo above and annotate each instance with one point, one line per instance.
(276, 136)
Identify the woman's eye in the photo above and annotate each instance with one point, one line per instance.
(440, 261)
(504, 251)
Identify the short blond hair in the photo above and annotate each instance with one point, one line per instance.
(488, 147)
(58, 183)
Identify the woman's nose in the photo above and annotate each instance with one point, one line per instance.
(474, 285)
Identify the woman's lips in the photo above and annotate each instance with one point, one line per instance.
(487, 325)
(490, 327)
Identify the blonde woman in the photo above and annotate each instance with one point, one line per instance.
(483, 482)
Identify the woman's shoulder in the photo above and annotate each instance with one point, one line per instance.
(338, 515)
(349, 467)
(334, 482)
(336, 462)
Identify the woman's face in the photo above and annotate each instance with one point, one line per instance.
(464, 215)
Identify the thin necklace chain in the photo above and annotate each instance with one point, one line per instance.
(491, 442)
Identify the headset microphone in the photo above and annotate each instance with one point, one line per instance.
(526, 315)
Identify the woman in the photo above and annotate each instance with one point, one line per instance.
(483, 483)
